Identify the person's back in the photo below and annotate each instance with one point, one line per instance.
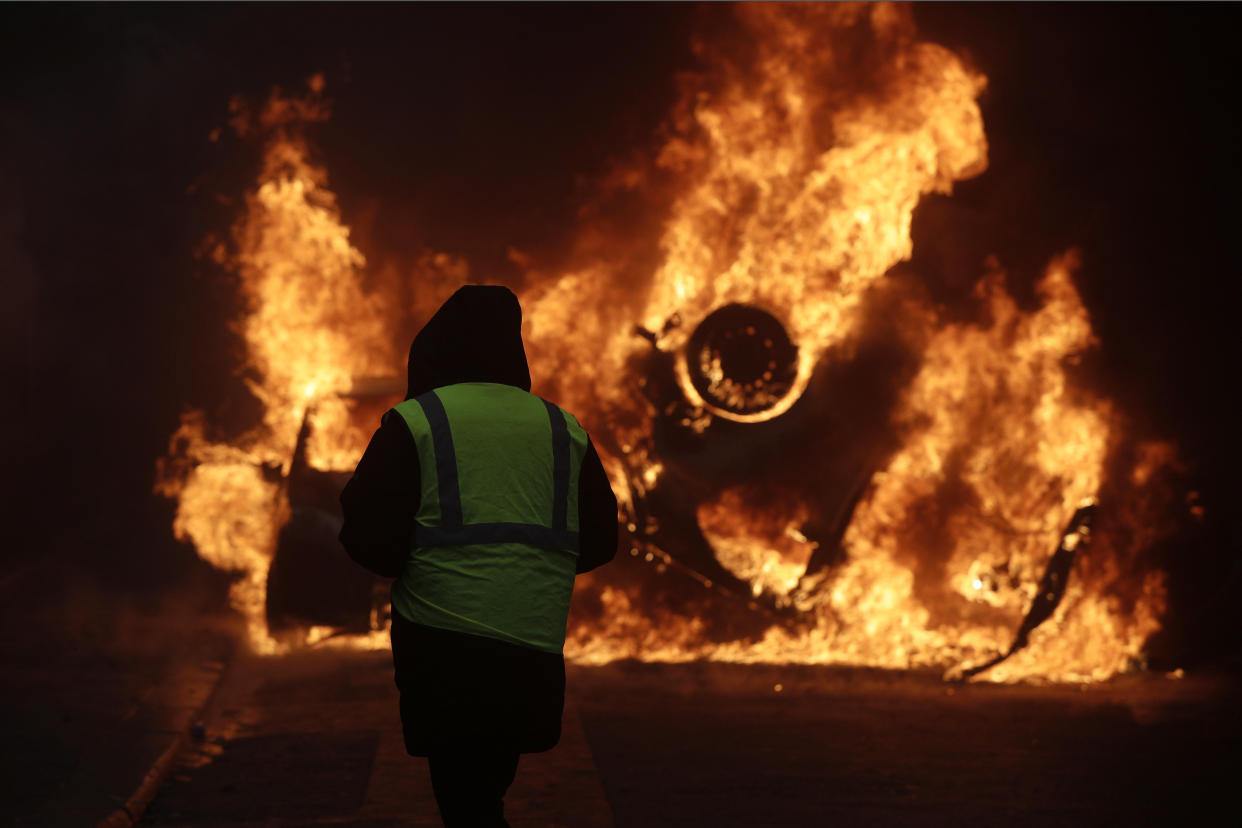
(483, 500)
(497, 545)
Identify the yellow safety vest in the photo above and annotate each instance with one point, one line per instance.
(495, 548)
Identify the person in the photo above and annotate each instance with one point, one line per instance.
(483, 501)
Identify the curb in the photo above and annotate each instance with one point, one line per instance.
(129, 814)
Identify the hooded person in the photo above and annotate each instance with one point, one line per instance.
(483, 501)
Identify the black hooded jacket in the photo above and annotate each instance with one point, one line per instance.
(459, 690)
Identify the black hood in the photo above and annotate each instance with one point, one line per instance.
(476, 336)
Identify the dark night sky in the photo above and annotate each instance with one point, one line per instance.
(470, 128)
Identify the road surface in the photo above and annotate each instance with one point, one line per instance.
(314, 739)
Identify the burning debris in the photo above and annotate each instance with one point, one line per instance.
(1051, 586)
(816, 463)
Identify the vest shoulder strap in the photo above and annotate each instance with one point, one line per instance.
(446, 459)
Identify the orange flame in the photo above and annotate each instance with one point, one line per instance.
(309, 329)
(796, 173)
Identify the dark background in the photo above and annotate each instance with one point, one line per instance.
(472, 128)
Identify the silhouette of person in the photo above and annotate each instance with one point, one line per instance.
(483, 501)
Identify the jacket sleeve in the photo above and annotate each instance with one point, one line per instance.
(597, 514)
(380, 500)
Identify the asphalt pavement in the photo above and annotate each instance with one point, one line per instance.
(94, 689)
(314, 739)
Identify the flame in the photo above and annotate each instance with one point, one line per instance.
(230, 510)
(944, 552)
(763, 547)
(794, 172)
(309, 327)
(768, 215)
(773, 218)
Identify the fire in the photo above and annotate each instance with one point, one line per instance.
(774, 218)
(772, 215)
(795, 171)
(230, 510)
(764, 547)
(309, 328)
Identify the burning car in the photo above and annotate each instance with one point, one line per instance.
(817, 462)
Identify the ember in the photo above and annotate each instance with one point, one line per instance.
(805, 448)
